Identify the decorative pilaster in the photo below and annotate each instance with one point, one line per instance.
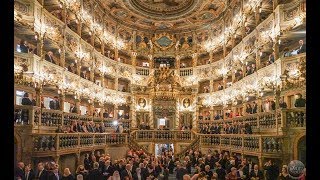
(258, 59)
(134, 58)
(194, 59)
(151, 117)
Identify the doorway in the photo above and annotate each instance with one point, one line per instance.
(161, 148)
(302, 149)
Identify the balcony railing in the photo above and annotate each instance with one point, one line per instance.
(186, 72)
(36, 116)
(52, 142)
(281, 118)
(162, 135)
(249, 143)
(142, 71)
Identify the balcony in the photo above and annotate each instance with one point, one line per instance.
(247, 144)
(162, 136)
(275, 121)
(47, 119)
(49, 144)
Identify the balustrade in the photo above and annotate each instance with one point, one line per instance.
(142, 71)
(69, 117)
(25, 115)
(295, 117)
(150, 135)
(46, 142)
(250, 143)
(186, 72)
(51, 117)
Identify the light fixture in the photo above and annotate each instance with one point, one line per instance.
(115, 123)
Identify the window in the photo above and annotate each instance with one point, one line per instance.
(19, 96)
(66, 107)
(83, 110)
(162, 122)
(46, 102)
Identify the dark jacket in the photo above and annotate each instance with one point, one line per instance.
(124, 173)
(301, 49)
(52, 176)
(272, 172)
(259, 174)
(48, 58)
(19, 173)
(180, 173)
(221, 174)
(24, 48)
(54, 105)
(70, 177)
(31, 176)
(95, 174)
(26, 101)
(300, 102)
(43, 175)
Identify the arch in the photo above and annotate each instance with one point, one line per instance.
(17, 147)
(298, 140)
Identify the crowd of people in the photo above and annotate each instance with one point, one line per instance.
(225, 128)
(138, 165)
(91, 127)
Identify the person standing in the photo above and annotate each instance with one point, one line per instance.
(302, 47)
(55, 104)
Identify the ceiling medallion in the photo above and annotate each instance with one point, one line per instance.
(157, 8)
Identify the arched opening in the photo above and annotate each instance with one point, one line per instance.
(15, 152)
(302, 149)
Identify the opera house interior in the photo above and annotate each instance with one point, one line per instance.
(159, 89)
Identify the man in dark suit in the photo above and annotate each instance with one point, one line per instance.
(302, 47)
(108, 169)
(42, 173)
(29, 175)
(49, 57)
(24, 47)
(220, 171)
(26, 100)
(54, 174)
(19, 170)
(300, 102)
(126, 172)
(95, 174)
(171, 165)
(87, 163)
(254, 108)
(256, 173)
(181, 171)
(55, 104)
(272, 170)
(73, 109)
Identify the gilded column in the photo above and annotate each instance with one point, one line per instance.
(133, 58)
(115, 110)
(258, 58)
(132, 114)
(151, 118)
(194, 59)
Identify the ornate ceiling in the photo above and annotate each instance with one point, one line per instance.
(164, 15)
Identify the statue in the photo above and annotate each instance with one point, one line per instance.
(150, 44)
